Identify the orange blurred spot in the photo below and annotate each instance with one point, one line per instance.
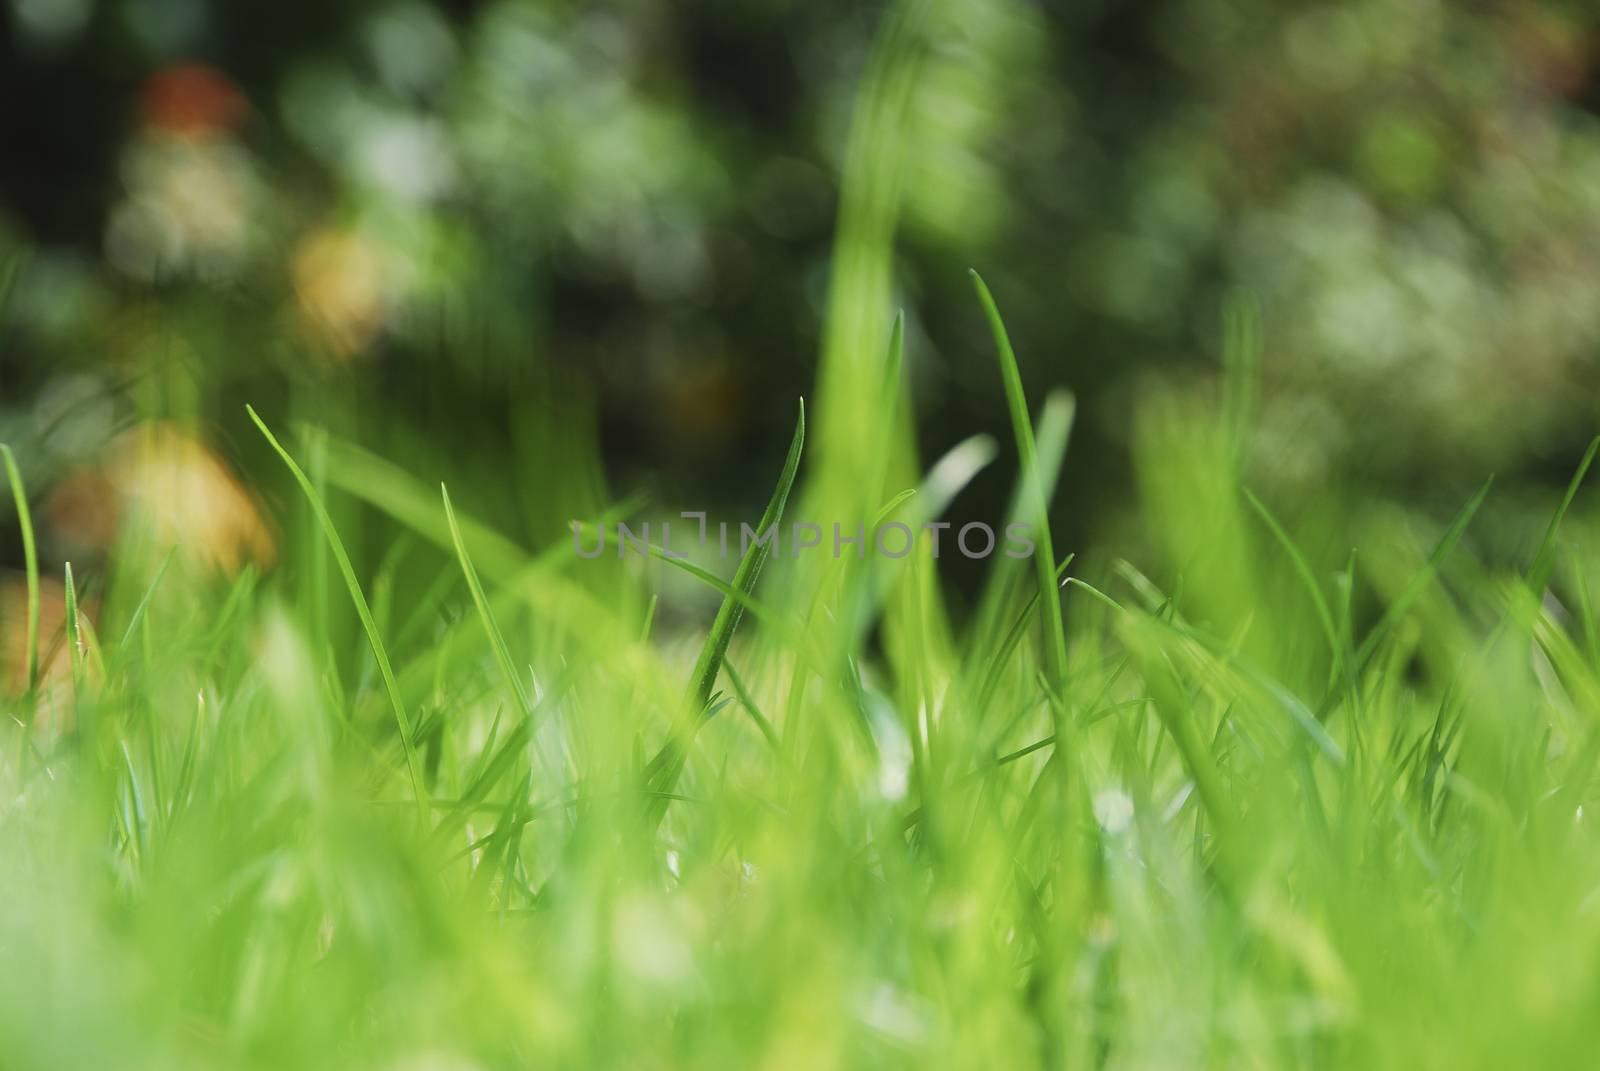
(193, 100)
(171, 485)
(55, 663)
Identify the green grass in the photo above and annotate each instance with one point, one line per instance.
(1338, 824)
(1239, 798)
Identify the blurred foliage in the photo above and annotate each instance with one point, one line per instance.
(470, 230)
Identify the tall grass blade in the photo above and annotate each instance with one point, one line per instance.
(663, 770)
(30, 563)
(1544, 562)
(729, 614)
(74, 625)
(363, 611)
(1441, 550)
(497, 640)
(1045, 556)
(1319, 601)
(144, 600)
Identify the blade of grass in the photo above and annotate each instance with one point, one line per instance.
(729, 614)
(1586, 616)
(649, 618)
(768, 617)
(1002, 655)
(1319, 601)
(1050, 436)
(186, 767)
(497, 640)
(1544, 561)
(750, 707)
(1022, 425)
(1176, 710)
(144, 600)
(398, 493)
(363, 611)
(74, 632)
(1412, 590)
(30, 562)
(1357, 663)
(663, 770)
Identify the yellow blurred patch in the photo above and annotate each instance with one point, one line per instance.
(339, 290)
(175, 489)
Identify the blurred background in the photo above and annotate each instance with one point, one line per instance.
(479, 237)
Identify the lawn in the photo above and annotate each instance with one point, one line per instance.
(1293, 816)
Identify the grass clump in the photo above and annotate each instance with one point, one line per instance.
(1294, 815)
